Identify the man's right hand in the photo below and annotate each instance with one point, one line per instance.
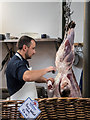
(51, 69)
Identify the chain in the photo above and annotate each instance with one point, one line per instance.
(67, 16)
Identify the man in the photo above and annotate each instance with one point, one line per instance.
(17, 72)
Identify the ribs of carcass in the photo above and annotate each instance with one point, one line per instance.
(65, 83)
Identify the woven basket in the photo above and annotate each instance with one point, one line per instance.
(51, 109)
(9, 109)
(64, 109)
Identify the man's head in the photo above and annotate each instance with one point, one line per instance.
(27, 46)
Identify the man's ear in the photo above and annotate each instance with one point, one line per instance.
(24, 47)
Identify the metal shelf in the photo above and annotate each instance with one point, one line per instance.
(38, 40)
(78, 44)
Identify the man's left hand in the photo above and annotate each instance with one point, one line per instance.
(51, 79)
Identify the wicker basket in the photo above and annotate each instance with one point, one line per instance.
(9, 109)
(64, 109)
(51, 109)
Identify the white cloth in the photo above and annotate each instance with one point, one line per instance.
(28, 90)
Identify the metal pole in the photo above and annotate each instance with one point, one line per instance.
(86, 48)
(63, 19)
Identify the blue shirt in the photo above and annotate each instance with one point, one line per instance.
(14, 73)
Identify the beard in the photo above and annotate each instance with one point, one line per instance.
(27, 56)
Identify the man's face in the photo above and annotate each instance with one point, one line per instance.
(31, 50)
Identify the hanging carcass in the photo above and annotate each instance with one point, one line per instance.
(65, 83)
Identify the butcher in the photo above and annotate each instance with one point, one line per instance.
(18, 71)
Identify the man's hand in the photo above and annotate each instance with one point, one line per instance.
(51, 79)
(51, 69)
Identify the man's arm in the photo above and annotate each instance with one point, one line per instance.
(45, 80)
(41, 80)
(36, 75)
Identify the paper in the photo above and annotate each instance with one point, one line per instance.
(29, 109)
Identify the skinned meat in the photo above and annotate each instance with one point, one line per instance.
(65, 83)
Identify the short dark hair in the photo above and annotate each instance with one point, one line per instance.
(24, 40)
